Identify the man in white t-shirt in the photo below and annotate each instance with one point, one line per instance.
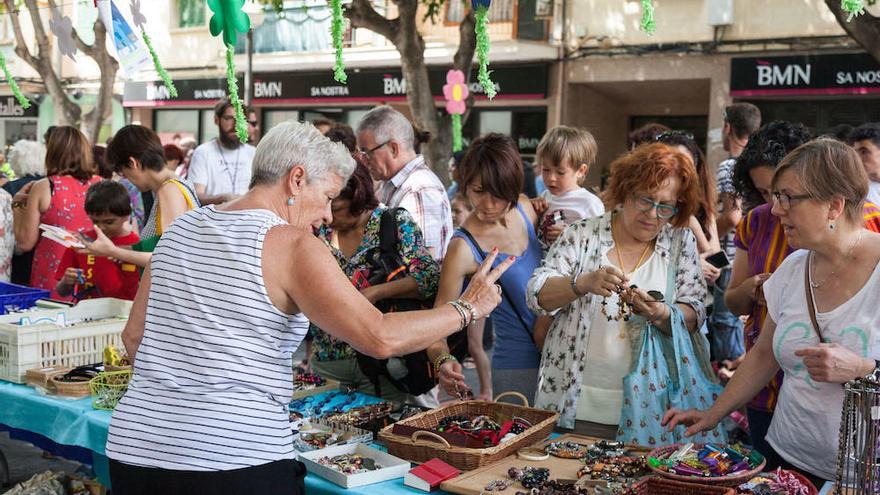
(866, 140)
(220, 169)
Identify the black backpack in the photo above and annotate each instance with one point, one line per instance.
(386, 266)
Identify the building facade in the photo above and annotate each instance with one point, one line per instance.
(293, 60)
(789, 57)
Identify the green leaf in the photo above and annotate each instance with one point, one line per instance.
(228, 19)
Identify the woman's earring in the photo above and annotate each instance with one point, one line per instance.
(831, 225)
(291, 201)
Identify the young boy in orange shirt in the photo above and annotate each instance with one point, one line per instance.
(85, 276)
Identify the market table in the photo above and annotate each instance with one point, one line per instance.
(73, 422)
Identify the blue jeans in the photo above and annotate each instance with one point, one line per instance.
(725, 328)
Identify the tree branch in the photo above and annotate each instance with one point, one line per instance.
(21, 48)
(865, 28)
(467, 45)
(361, 14)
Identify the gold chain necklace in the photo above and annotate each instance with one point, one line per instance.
(622, 334)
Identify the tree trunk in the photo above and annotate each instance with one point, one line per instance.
(108, 66)
(865, 28)
(71, 112)
(403, 33)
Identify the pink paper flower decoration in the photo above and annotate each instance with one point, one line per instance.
(456, 92)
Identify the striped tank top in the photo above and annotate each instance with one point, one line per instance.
(212, 377)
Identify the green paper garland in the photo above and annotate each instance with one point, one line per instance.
(232, 85)
(24, 102)
(337, 30)
(163, 74)
(853, 7)
(482, 28)
(456, 133)
(648, 24)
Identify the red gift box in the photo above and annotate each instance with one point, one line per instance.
(429, 475)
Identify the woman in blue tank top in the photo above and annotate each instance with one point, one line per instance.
(491, 177)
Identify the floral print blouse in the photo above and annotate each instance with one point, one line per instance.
(579, 250)
(420, 266)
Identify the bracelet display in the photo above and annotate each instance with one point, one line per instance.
(441, 360)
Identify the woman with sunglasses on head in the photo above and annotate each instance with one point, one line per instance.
(702, 223)
(821, 325)
(588, 274)
(761, 247)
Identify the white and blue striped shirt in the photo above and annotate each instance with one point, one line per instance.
(212, 377)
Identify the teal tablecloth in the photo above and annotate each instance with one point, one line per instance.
(74, 422)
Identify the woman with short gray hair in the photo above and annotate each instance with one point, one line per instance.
(225, 302)
(28, 161)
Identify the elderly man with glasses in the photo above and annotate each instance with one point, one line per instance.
(386, 146)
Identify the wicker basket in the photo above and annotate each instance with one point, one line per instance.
(742, 477)
(661, 486)
(77, 388)
(432, 445)
(108, 387)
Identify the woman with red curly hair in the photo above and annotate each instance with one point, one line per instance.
(596, 280)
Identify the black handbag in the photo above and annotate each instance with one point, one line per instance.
(387, 265)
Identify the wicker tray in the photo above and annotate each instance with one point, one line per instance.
(422, 446)
(663, 452)
(662, 486)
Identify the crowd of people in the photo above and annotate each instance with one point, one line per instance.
(758, 274)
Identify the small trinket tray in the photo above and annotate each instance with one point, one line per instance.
(301, 390)
(392, 467)
(338, 434)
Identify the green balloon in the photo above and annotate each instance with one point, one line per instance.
(228, 19)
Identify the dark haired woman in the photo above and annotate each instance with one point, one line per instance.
(761, 247)
(490, 175)
(137, 154)
(56, 200)
(354, 239)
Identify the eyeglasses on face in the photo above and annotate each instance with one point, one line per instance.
(369, 152)
(784, 200)
(646, 204)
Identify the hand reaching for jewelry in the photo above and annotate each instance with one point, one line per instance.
(452, 379)
(603, 281)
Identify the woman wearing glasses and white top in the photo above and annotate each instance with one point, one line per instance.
(592, 345)
(822, 320)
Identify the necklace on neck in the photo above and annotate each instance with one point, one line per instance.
(620, 258)
(232, 175)
(816, 285)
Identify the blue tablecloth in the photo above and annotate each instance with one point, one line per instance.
(75, 423)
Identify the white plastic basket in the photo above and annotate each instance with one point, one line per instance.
(36, 339)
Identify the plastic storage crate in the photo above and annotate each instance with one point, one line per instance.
(60, 337)
(17, 297)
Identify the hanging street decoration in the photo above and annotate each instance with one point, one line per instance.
(647, 23)
(62, 28)
(853, 8)
(229, 20)
(24, 102)
(481, 12)
(337, 30)
(456, 92)
(140, 20)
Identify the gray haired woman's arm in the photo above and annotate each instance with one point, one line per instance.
(301, 266)
(133, 332)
